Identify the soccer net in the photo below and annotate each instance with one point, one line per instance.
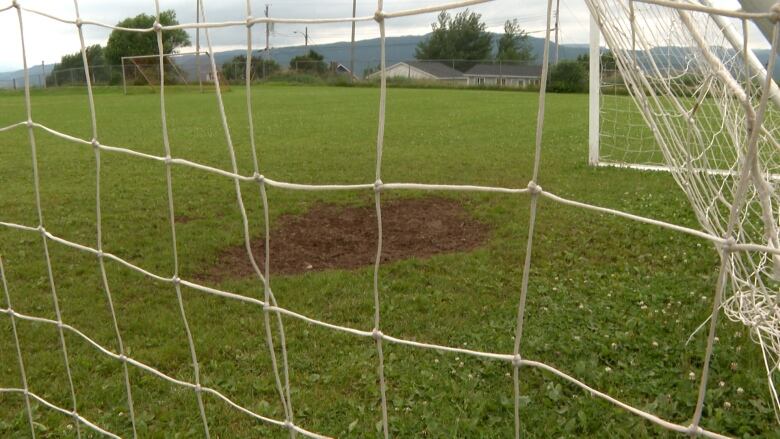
(182, 69)
(622, 136)
(710, 113)
(712, 110)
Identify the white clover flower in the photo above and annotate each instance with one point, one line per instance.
(691, 376)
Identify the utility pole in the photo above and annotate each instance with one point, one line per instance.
(267, 34)
(43, 74)
(557, 14)
(306, 37)
(352, 45)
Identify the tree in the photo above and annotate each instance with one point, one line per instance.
(608, 60)
(514, 44)
(463, 38)
(568, 77)
(235, 69)
(95, 58)
(311, 62)
(123, 43)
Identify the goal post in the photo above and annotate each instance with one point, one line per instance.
(594, 91)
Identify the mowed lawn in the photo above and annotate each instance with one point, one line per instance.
(610, 302)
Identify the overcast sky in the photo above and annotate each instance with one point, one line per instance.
(47, 40)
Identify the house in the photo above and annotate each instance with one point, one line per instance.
(424, 70)
(340, 69)
(510, 75)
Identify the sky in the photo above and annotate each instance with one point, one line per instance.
(47, 40)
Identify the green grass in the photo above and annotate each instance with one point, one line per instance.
(602, 289)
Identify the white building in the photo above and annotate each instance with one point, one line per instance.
(510, 75)
(423, 70)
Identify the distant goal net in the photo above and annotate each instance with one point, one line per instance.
(181, 69)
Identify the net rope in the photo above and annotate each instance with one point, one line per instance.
(742, 244)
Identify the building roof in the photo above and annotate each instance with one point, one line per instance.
(435, 68)
(518, 70)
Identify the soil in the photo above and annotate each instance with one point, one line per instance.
(331, 236)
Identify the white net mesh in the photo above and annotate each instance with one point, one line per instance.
(716, 127)
(624, 137)
(699, 118)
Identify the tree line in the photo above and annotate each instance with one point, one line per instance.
(462, 39)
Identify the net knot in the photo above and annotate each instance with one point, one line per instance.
(288, 425)
(157, 26)
(534, 188)
(774, 12)
(378, 185)
(517, 360)
(379, 16)
(260, 178)
(122, 358)
(29, 123)
(15, 4)
(728, 244)
(694, 429)
(95, 143)
(176, 280)
(198, 388)
(249, 19)
(79, 23)
(377, 334)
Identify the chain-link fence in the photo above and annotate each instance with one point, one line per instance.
(189, 70)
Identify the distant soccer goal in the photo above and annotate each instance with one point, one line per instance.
(178, 69)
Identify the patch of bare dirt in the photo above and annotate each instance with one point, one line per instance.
(330, 236)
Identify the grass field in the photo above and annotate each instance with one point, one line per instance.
(610, 301)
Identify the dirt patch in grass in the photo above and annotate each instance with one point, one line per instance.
(330, 236)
